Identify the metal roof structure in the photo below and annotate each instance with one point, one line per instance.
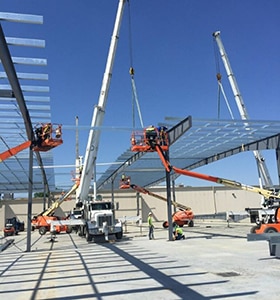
(23, 104)
(205, 142)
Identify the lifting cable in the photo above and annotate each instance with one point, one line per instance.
(131, 72)
(220, 86)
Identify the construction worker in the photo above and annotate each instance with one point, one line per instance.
(125, 181)
(133, 141)
(39, 133)
(47, 130)
(58, 132)
(162, 135)
(151, 135)
(178, 233)
(151, 226)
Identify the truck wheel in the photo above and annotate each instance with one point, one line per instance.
(69, 229)
(80, 232)
(270, 230)
(191, 223)
(42, 230)
(254, 228)
(88, 236)
(119, 235)
(165, 224)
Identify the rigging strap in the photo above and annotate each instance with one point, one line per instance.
(131, 72)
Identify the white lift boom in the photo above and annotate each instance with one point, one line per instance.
(88, 172)
(265, 178)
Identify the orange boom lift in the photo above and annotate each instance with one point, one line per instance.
(47, 137)
(184, 216)
(154, 144)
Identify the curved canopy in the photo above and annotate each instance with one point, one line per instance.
(22, 106)
(204, 142)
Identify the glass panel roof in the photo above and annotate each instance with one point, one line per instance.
(14, 171)
(205, 142)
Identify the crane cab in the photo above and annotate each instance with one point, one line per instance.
(147, 140)
(125, 182)
(47, 137)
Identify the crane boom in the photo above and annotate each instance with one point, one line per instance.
(262, 168)
(88, 171)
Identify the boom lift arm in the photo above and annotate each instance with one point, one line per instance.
(268, 195)
(154, 145)
(183, 216)
(14, 151)
(57, 203)
(145, 191)
(47, 137)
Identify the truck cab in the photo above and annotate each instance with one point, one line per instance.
(101, 220)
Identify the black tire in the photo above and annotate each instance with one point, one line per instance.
(42, 230)
(191, 223)
(270, 230)
(69, 229)
(81, 231)
(89, 237)
(119, 235)
(165, 224)
(254, 228)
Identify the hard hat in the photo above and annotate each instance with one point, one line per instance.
(150, 213)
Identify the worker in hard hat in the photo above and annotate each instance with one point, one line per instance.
(151, 135)
(162, 132)
(47, 130)
(151, 226)
(58, 132)
(178, 233)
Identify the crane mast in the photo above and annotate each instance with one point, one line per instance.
(264, 176)
(88, 171)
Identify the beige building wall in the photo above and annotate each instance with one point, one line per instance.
(202, 200)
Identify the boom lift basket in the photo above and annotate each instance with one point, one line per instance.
(48, 136)
(146, 140)
(125, 182)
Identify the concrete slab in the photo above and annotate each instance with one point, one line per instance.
(215, 261)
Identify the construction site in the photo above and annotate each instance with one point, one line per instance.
(131, 230)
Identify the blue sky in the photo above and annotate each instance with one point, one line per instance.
(175, 68)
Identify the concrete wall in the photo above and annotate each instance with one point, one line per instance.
(202, 200)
